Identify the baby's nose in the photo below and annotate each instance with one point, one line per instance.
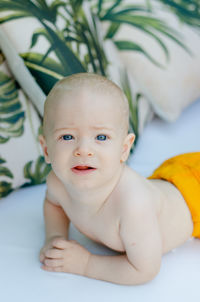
(81, 153)
(83, 149)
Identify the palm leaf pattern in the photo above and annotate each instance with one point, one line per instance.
(11, 112)
(188, 11)
(5, 186)
(142, 18)
(80, 31)
(133, 105)
(36, 172)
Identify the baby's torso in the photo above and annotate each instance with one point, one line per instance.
(102, 227)
(173, 215)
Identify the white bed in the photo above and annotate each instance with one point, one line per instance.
(22, 234)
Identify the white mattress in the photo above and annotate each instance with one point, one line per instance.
(22, 234)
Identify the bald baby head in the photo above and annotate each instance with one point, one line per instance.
(86, 83)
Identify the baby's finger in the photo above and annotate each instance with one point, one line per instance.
(54, 253)
(42, 257)
(52, 269)
(60, 244)
(53, 262)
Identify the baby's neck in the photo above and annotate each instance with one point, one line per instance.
(94, 199)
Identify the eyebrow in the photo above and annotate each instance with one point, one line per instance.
(94, 127)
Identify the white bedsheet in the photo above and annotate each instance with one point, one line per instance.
(22, 234)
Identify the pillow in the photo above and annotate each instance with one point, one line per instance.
(140, 108)
(176, 83)
(21, 160)
(51, 52)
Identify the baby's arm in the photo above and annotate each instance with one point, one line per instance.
(56, 226)
(56, 221)
(141, 237)
(139, 232)
(58, 253)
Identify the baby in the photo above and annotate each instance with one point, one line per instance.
(86, 141)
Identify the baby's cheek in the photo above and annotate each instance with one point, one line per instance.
(112, 164)
(58, 164)
(59, 153)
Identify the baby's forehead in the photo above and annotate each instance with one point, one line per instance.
(85, 99)
(102, 100)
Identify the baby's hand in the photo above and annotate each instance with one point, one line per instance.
(48, 246)
(61, 255)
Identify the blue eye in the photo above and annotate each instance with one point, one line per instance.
(101, 137)
(67, 137)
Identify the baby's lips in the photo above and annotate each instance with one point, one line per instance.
(83, 167)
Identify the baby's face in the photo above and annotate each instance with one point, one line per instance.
(85, 140)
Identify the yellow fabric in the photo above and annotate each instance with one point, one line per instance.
(184, 172)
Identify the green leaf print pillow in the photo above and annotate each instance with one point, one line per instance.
(162, 53)
(21, 160)
(60, 38)
(57, 38)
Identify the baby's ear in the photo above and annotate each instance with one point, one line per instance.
(44, 148)
(129, 140)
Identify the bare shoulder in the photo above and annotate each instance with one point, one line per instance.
(55, 189)
(137, 193)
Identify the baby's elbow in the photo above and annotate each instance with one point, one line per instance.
(149, 276)
(145, 276)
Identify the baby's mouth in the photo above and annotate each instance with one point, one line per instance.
(83, 169)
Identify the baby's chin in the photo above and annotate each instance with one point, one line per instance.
(84, 185)
(96, 180)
